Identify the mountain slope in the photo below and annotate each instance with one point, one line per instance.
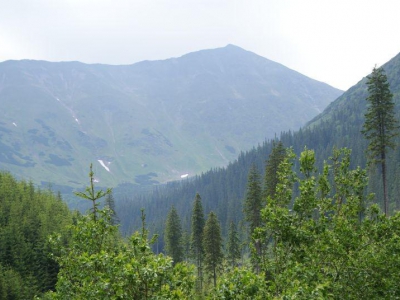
(222, 190)
(148, 122)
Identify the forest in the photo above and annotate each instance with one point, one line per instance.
(320, 221)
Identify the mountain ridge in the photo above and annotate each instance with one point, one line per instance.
(176, 116)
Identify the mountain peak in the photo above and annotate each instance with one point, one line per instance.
(176, 116)
(231, 46)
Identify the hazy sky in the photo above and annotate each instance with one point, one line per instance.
(335, 41)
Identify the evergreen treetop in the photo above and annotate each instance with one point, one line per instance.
(173, 236)
(380, 125)
(253, 202)
(277, 155)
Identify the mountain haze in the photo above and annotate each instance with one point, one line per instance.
(148, 122)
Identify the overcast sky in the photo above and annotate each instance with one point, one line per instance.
(335, 41)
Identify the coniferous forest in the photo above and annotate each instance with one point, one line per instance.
(311, 214)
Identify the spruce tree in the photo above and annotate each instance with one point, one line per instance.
(277, 155)
(233, 245)
(196, 238)
(173, 236)
(380, 125)
(212, 242)
(252, 210)
(253, 202)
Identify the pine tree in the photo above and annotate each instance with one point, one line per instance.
(252, 209)
(233, 246)
(277, 155)
(186, 245)
(173, 236)
(253, 202)
(212, 242)
(380, 125)
(196, 238)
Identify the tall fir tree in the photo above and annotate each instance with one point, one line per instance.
(233, 245)
(212, 241)
(380, 125)
(173, 236)
(277, 155)
(252, 210)
(253, 202)
(196, 238)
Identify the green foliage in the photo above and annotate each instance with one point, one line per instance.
(212, 243)
(323, 248)
(97, 266)
(173, 236)
(324, 243)
(14, 286)
(240, 284)
(27, 216)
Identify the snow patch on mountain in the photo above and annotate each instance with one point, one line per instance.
(104, 165)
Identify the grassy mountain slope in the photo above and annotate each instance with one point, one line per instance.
(223, 189)
(148, 122)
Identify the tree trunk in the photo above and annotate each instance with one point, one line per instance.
(258, 253)
(385, 196)
(215, 277)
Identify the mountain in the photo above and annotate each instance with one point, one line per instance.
(222, 189)
(149, 122)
